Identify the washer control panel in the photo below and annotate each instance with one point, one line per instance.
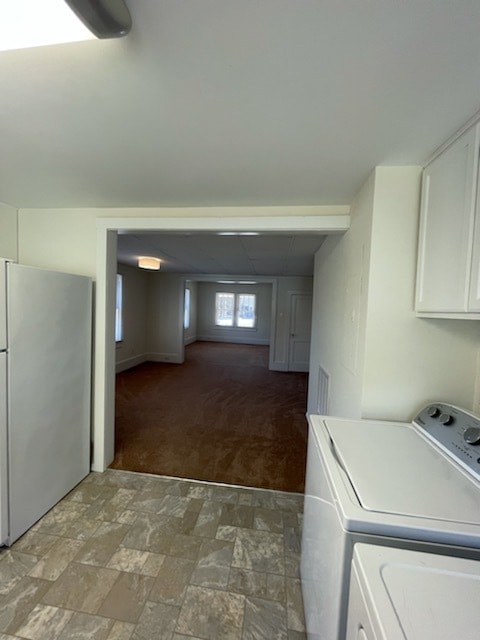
(455, 430)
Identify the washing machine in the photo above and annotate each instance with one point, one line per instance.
(404, 485)
(398, 594)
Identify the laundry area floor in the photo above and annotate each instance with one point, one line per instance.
(129, 556)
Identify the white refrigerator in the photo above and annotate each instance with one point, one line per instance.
(45, 389)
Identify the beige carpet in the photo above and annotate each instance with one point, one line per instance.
(222, 416)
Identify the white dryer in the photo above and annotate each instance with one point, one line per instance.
(397, 594)
(405, 485)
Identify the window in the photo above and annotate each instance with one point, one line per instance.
(246, 310)
(235, 310)
(118, 310)
(224, 309)
(186, 310)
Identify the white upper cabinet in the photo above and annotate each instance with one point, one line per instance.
(448, 283)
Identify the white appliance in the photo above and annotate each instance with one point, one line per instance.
(45, 364)
(397, 594)
(411, 485)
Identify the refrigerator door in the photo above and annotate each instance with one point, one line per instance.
(48, 367)
(3, 450)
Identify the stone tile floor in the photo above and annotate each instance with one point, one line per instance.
(128, 556)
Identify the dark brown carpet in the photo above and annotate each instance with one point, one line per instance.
(222, 416)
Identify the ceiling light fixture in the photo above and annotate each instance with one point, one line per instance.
(145, 262)
(238, 233)
(104, 18)
(34, 23)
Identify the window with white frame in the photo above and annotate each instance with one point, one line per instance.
(118, 309)
(235, 310)
(186, 310)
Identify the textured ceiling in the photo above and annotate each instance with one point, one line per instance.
(256, 255)
(237, 102)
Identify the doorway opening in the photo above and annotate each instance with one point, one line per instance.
(107, 229)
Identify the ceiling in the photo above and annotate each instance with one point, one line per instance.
(241, 254)
(237, 102)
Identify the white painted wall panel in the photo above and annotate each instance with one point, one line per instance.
(408, 360)
(132, 350)
(339, 311)
(164, 328)
(393, 362)
(62, 240)
(8, 232)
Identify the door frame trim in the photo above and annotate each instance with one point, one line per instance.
(335, 220)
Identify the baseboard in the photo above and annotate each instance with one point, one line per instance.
(190, 340)
(123, 365)
(174, 358)
(246, 340)
(278, 366)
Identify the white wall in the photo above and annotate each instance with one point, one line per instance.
(206, 328)
(384, 362)
(409, 361)
(133, 348)
(339, 310)
(8, 232)
(165, 317)
(62, 240)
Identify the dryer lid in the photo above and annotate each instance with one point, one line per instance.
(393, 469)
(428, 596)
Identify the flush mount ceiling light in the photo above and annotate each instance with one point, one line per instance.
(34, 23)
(104, 18)
(238, 233)
(153, 264)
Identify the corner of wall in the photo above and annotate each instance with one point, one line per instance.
(8, 232)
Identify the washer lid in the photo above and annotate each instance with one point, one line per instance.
(392, 469)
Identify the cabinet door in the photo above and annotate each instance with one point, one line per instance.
(474, 301)
(446, 227)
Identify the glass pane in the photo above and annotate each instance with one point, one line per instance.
(186, 314)
(224, 308)
(118, 310)
(246, 310)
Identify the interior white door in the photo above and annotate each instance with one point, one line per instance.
(48, 368)
(300, 331)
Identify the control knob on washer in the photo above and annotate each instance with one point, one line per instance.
(446, 419)
(472, 435)
(433, 412)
